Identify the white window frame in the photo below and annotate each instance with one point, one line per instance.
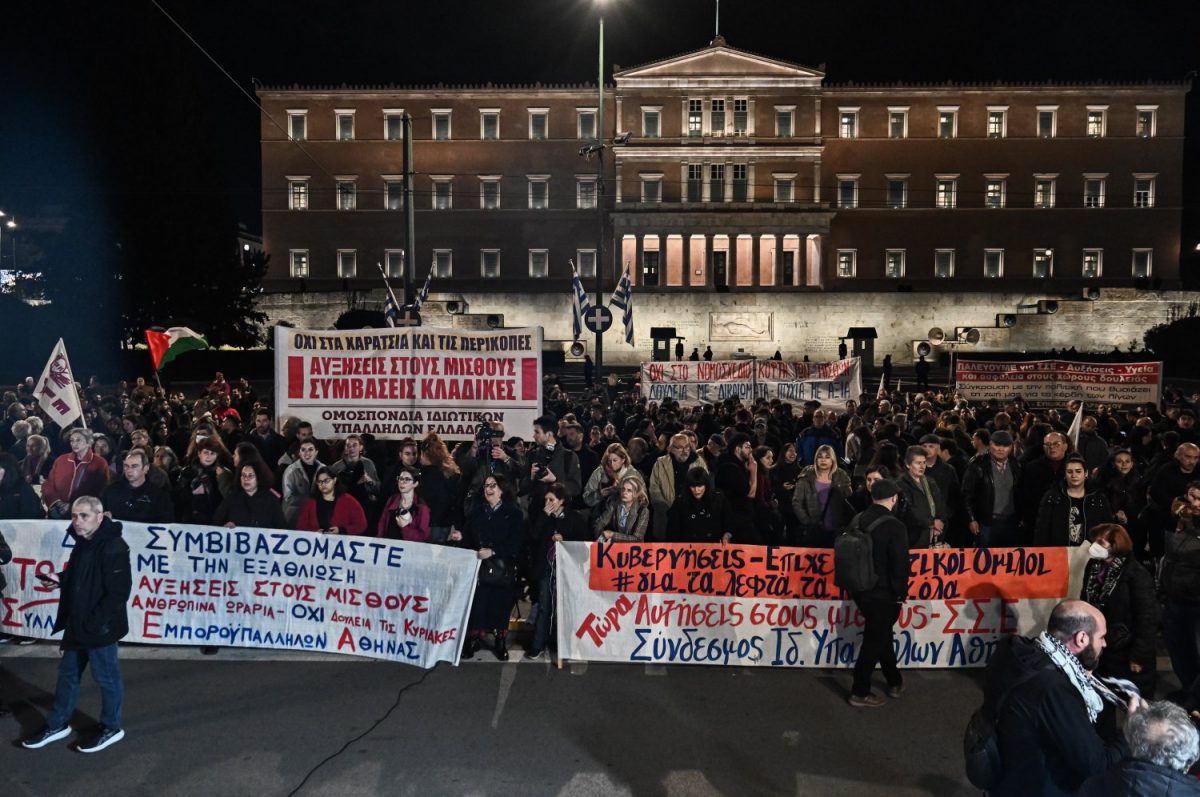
(388, 254)
(434, 113)
(532, 253)
(341, 181)
(790, 111)
(1103, 180)
(1003, 111)
(943, 251)
(483, 253)
(390, 180)
(648, 178)
(937, 198)
(848, 178)
(338, 115)
(1053, 180)
(1000, 271)
(1087, 121)
(1050, 266)
(953, 111)
(837, 263)
(782, 179)
(698, 132)
(448, 272)
(535, 179)
(714, 129)
(903, 259)
(353, 253)
(1153, 179)
(852, 111)
(1037, 121)
(903, 111)
(1002, 179)
(733, 113)
(888, 179)
(543, 112)
(1153, 111)
(581, 112)
(1099, 262)
(1149, 253)
(301, 180)
(585, 273)
(484, 181)
(302, 114)
(657, 111)
(292, 255)
(388, 115)
(440, 180)
(485, 112)
(580, 181)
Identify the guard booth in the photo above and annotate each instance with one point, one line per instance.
(662, 337)
(863, 340)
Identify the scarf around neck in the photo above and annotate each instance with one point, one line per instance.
(1080, 678)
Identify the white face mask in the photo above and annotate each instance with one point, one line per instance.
(1097, 551)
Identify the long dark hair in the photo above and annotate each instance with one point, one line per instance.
(315, 491)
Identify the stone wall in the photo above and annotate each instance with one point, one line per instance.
(797, 323)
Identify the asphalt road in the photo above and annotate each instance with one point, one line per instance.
(256, 722)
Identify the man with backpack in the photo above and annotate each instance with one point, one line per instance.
(877, 595)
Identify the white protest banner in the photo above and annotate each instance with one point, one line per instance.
(1060, 381)
(777, 607)
(398, 383)
(832, 384)
(263, 588)
(56, 393)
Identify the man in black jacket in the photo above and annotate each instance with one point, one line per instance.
(1040, 692)
(549, 463)
(989, 490)
(880, 605)
(91, 614)
(133, 497)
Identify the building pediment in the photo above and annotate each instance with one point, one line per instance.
(718, 64)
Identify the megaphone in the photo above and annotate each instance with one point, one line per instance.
(936, 335)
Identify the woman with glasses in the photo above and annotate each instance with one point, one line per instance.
(405, 517)
(331, 510)
(252, 503)
(495, 530)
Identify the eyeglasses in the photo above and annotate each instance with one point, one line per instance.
(402, 479)
(325, 480)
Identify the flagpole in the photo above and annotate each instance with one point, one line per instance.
(387, 284)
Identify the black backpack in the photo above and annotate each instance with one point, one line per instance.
(854, 557)
(981, 748)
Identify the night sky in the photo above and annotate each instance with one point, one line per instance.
(89, 90)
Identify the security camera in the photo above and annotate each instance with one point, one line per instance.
(623, 138)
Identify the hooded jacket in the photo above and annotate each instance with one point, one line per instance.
(94, 589)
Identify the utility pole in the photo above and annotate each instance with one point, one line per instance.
(599, 364)
(410, 235)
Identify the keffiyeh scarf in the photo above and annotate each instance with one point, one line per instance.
(1082, 681)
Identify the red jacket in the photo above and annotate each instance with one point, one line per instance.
(417, 531)
(91, 473)
(348, 516)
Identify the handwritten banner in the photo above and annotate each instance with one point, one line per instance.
(1059, 381)
(398, 383)
(832, 384)
(263, 588)
(766, 606)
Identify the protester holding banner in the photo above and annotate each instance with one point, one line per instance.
(1069, 510)
(405, 517)
(494, 531)
(556, 524)
(820, 500)
(79, 472)
(297, 479)
(700, 514)
(252, 503)
(17, 499)
(330, 509)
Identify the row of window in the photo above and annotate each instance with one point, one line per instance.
(996, 124)
(895, 260)
(537, 192)
(995, 193)
(443, 263)
(441, 121)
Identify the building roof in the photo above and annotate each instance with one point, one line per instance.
(377, 87)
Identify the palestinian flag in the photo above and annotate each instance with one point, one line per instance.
(169, 344)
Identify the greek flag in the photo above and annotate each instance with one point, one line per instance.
(580, 306)
(391, 312)
(622, 299)
(424, 294)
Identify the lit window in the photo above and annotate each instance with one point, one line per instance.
(943, 263)
(716, 182)
(741, 116)
(298, 194)
(393, 125)
(993, 263)
(1096, 116)
(740, 183)
(695, 118)
(651, 122)
(897, 191)
(539, 192)
(997, 122)
(947, 192)
(585, 262)
(652, 188)
(1043, 263)
(347, 260)
(994, 192)
(847, 191)
(539, 263)
(1093, 192)
(345, 125)
(848, 123)
(299, 263)
(846, 262)
(784, 122)
(586, 124)
(489, 125)
(1093, 263)
(538, 124)
(489, 263)
(297, 125)
(897, 123)
(1143, 190)
(1047, 122)
(394, 261)
(347, 194)
(442, 196)
(893, 263)
(1043, 191)
(585, 192)
(443, 263)
(1147, 121)
(947, 122)
(489, 193)
(1143, 260)
(441, 125)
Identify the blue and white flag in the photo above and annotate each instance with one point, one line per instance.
(622, 298)
(424, 293)
(391, 311)
(580, 305)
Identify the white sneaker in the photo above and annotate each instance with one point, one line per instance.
(107, 738)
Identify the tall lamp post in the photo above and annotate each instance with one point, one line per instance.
(599, 365)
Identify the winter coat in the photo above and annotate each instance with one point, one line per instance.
(261, 510)
(144, 504)
(1132, 778)
(347, 516)
(635, 526)
(809, 511)
(703, 521)
(297, 488)
(20, 502)
(416, 531)
(917, 516)
(563, 463)
(813, 438)
(570, 525)
(94, 589)
(662, 487)
(1054, 516)
(978, 491)
(1131, 612)
(889, 546)
(65, 472)
(1179, 576)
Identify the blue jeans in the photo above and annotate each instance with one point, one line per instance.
(107, 674)
(1000, 534)
(545, 615)
(1181, 632)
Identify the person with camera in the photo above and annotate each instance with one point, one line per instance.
(550, 463)
(405, 517)
(486, 456)
(331, 510)
(494, 530)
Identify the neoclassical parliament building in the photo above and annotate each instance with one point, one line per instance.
(756, 204)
